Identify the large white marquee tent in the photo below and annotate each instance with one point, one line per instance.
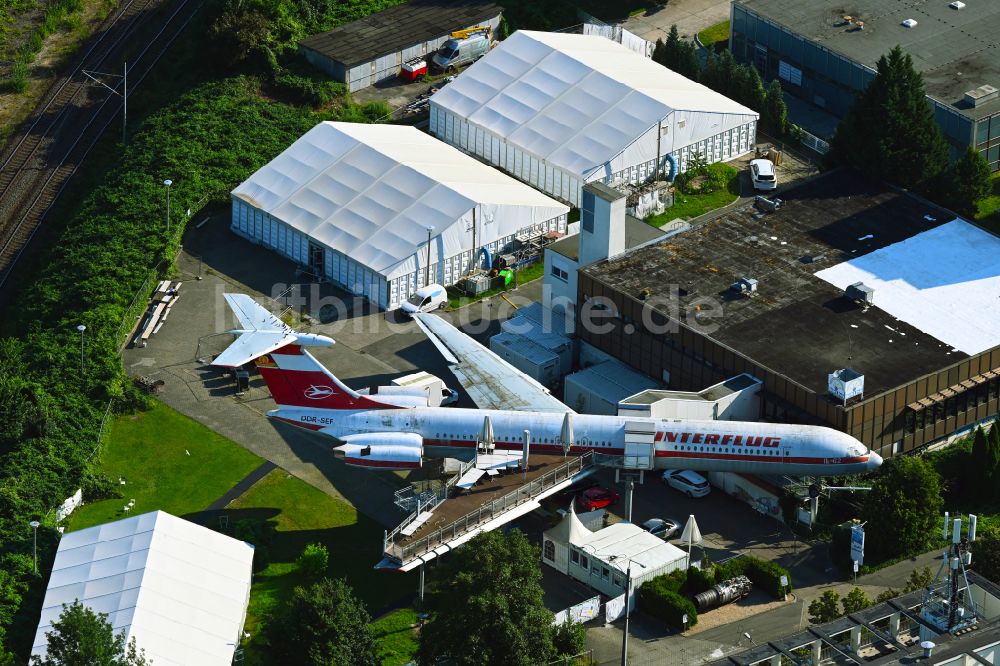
(559, 110)
(180, 589)
(354, 203)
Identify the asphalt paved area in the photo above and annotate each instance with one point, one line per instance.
(690, 16)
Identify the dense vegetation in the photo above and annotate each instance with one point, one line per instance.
(81, 636)
(486, 608)
(58, 14)
(906, 147)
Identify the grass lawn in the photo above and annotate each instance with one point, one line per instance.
(300, 515)
(716, 36)
(521, 276)
(398, 639)
(149, 450)
(989, 208)
(687, 206)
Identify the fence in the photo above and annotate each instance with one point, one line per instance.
(585, 611)
(485, 513)
(815, 143)
(427, 500)
(617, 33)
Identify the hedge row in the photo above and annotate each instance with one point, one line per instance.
(659, 598)
(762, 573)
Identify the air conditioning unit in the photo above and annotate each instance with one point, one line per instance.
(957, 4)
(745, 286)
(909, 23)
(860, 293)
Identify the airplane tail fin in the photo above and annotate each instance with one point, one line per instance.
(294, 377)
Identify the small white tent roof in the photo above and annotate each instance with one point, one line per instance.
(621, 543)
(179, 588)
(577, 101)
(371, 191)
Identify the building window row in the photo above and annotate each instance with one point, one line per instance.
(959, 403)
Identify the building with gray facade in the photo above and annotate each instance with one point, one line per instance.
(824, 53)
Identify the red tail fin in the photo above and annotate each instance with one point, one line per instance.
(296, 379)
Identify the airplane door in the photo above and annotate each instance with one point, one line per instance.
(786, 454)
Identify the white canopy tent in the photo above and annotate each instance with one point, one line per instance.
(180, 589)
(558, 110)
(354, 202)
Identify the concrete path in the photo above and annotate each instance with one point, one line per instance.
(690, 16)
(242, 486)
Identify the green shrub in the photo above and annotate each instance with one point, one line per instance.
(762, 573)
(313, 560)
(657, 598)
(699, 580)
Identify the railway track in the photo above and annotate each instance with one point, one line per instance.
(42, 157)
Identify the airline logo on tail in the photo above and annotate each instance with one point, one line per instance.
(318, 392)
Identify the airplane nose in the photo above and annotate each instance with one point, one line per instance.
(874, 461)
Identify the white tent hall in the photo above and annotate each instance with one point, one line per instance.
(558, 110)
(180, 589)
(354, 203)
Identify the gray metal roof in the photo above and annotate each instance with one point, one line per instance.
(398, 27)
(956, 50)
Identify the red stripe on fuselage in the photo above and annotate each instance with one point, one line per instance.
(362, 462)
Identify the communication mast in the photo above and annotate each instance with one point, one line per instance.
(948, 605)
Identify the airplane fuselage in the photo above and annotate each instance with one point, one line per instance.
(731, 446)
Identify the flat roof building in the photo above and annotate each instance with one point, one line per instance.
(824, 53)
(359, 204)
(371, 49)
(927, 347)
(559, 110)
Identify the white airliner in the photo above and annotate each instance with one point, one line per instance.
(391, 428)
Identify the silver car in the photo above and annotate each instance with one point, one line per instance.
(690, 483)
(660, 527)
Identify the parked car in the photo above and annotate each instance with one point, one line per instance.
(461, 51)
(660, 527)
(425, 299)
(690, 483)
(596, 498)
(763, 175)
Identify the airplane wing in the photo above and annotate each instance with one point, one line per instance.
(490, 381)
(252, 315)
(251, 345)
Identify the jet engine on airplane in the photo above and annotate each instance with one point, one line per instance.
(382, 450)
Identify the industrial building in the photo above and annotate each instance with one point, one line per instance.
(179, 589)
(825, 53)
(372, 49)
(559, 110)
(862, 308)
(601, 558)
(384, 209)
(891, 633)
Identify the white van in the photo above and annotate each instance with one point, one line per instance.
(457, 52)
(425, 299)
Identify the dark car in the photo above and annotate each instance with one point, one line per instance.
(596, 498)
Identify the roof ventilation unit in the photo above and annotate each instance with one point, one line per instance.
(744, 286)
(981, 95)
(845, 384)
(861, 294)
(958, 4)
(909, 23)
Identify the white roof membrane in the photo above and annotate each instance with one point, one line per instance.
(944, 281)
(578, 101)
(370, 191)
(180, 589)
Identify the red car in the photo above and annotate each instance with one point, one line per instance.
(596, 498)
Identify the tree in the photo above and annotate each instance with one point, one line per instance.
(825, 608)
(569, 638)
(919, 579)
(886, 595)
(890, 133)
(970, 181)
(486, 606)
(677, 55)
(324, 624)
(856, 600)
(313, 560)
(774, 115)
(986, 554)
(984, 460)
(902, 508)
(81, 637)
(748, 88)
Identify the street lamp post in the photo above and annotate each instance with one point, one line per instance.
(427, 269)
(168, 183)
(628, 595)
(81, 328)
(34, 526)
